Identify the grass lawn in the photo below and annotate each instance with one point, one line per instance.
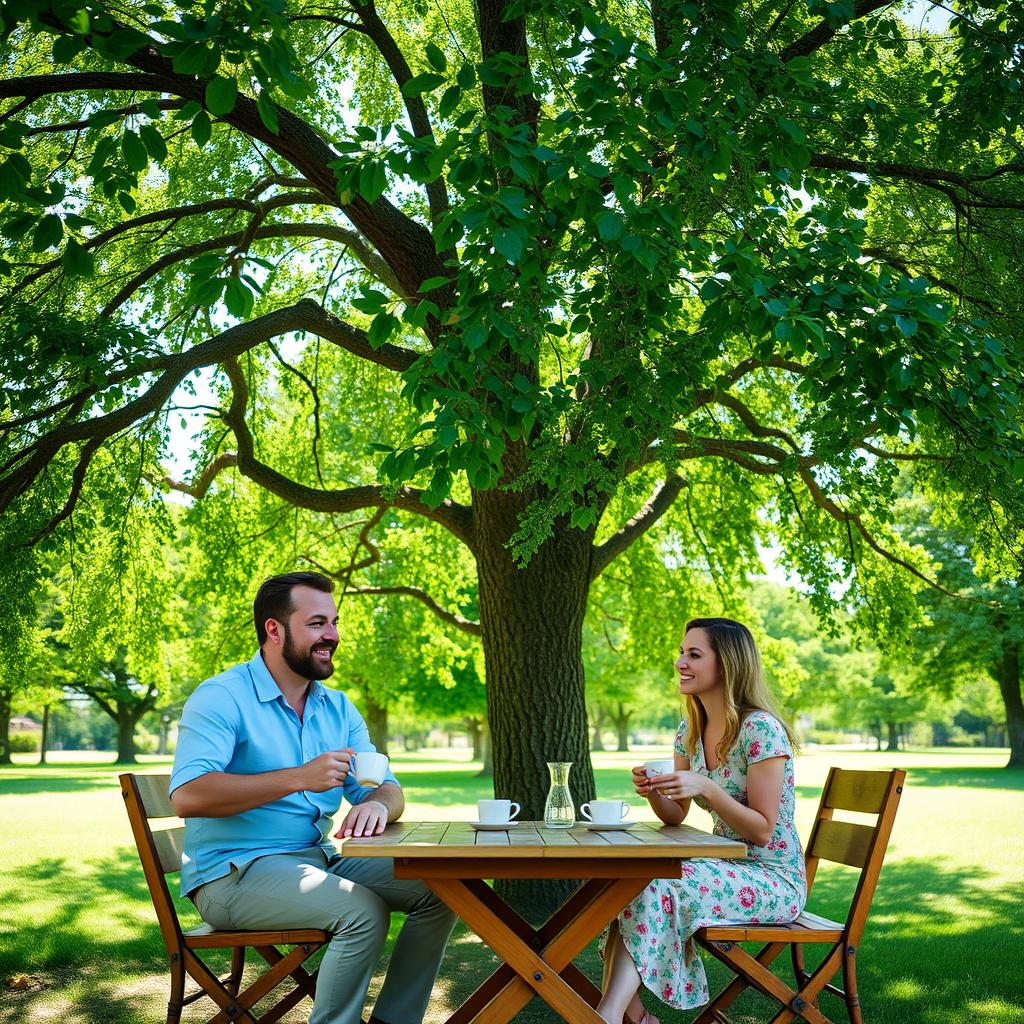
(945, 940)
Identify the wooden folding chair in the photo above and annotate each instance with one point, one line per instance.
(146, 798)
(842, 842)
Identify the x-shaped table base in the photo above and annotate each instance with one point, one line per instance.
(538, 961)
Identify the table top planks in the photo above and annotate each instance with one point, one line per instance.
(530, 840)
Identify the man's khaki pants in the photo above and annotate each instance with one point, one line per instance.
(351, 897)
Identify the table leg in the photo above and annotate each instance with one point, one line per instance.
(537, 961)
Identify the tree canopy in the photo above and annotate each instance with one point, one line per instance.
(548, 276)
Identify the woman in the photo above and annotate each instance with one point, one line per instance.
(734, 756)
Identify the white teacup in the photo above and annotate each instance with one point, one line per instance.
(662, 767)
(605, 812)
(496, 812)
(370, 767)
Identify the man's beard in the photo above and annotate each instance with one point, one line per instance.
(303, 663)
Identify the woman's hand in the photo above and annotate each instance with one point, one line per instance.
(641, 783)
(682, 785)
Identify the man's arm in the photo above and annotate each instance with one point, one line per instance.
(223, 794)
(368, 817)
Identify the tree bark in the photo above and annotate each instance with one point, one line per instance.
(475, 730)
(621, 721)
(376, 716)
(6, 699)
(126, 721)
(1008, 677)
(596, 743)
(532, 630)
(45, 738)
(894, 737)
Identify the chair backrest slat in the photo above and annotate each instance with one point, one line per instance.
(843, 842)
(857, 791)
(156, 801)
(169, 846)
(145, 797)
(857, 845)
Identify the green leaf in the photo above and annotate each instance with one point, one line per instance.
(205, 291)
(49, 232)
(433, 282)
(509, 243)
(66, 48)
(449, 100)
(373, 180)
(436, 57)
(609, 225)
(201, 129)
(383, 326)
(221, 94)
(466, 77)
(154, 141)
(77, 261)
(419, 84)
(267, 111)
(136, 157)
(475, 336)
(238, 299)
(907, 326)
(777, 307)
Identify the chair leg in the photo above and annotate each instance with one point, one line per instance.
(234, 979)
(176, 1001)
(799, 970)
(850, 986)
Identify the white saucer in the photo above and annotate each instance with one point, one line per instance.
(612, 826)
(485, 826)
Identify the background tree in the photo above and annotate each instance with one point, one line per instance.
(982, 632)
(602, 261)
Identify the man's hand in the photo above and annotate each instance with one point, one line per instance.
(326, 771)
(365, 819)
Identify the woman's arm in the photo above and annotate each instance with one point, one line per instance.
(754, 822)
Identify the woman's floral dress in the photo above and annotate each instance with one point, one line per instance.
(769, 887)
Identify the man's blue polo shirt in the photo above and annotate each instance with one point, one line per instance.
(239, 722)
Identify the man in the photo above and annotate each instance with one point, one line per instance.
(263, 759)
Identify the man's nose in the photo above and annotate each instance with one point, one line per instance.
(331, 633)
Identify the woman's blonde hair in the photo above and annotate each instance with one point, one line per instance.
(743, 685)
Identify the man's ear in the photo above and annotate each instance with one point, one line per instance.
(275, 632)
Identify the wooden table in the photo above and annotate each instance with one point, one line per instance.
(453, 859)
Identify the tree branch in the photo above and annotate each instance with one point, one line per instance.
(328, 232)
(377, 31)
(405, 245)
(24, 466)
(452, 618)
(199, 487)
(456, 518)
(824, 30)
(651, 512)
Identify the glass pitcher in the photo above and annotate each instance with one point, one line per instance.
(559, 811)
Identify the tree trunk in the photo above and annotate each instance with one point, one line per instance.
(894, 737)
(532, 631)
(45, 738)
(486, 752)
(6, 699)
(621, 722)
(475, 731)
(126, 721)
(376, 716)
(596, 743)
(1009, 688)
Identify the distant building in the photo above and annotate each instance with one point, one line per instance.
(22, 723)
